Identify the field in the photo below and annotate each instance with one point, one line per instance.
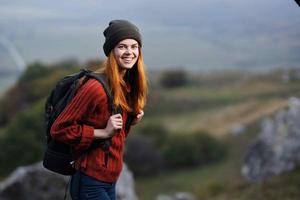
(227, 105)
(218, 104)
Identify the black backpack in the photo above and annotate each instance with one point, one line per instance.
(59, 156)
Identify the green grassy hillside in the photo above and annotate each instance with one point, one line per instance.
(222, 180)
(217, 108)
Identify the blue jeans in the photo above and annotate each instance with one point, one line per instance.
(84, 187)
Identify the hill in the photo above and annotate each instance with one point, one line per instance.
(181, 101)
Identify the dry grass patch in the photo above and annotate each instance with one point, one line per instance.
(221, 121)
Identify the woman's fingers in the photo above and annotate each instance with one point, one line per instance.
(117, 121)
(140, 114)
(116, 116)
(118, 125)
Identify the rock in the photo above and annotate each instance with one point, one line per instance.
(125, 185)
(183, 196)
(164, 197)
(176, 196)
(277, 148)
(33, 182)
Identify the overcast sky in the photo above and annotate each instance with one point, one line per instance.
(199, 34)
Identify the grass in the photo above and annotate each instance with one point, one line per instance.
(182, 100)
(2, 132)
(216, 105)
(284, 186)
(201, 181)
(220, 120)
(222, 181)
(188, 180)
(217, 109)
(241, 90)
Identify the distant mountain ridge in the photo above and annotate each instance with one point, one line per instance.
(205, 34)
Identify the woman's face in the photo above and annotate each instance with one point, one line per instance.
(126, 53)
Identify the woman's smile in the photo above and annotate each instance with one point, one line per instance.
(128, 59)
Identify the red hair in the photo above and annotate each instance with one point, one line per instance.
(135, 100)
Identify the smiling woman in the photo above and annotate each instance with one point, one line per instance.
(88, 117)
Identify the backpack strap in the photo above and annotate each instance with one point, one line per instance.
(130, 118)
(114, 110)
(104, 82)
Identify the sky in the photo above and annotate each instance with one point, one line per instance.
(194, 34)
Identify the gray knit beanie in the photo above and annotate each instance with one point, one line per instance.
(117, 31)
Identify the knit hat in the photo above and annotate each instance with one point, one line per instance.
(117, 31)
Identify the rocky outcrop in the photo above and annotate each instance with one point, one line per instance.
(277, 147)
(125, 185)
(36, 183)
(33, 182)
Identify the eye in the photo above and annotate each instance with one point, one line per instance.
(121, 46)
(134, 47)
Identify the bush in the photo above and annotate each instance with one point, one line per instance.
(19, 97)
(32, 72)
(22, 141)
(155, 130)
(142, 157)
(193, 149)
(174, 78)
(34, 84)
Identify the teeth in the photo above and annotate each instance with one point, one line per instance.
(127, 59)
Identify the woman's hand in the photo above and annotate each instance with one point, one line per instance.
(138, 117)
(114, 123)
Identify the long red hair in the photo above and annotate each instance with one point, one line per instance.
(135, 100)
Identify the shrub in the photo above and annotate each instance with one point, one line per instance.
(34, 84)
(22, 140)
(174, 78)
(142, 157)
(192, 149)
(155, 130)
(33, 71)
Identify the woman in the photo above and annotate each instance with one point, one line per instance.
(88, 118)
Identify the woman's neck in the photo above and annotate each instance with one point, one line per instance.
(123, 72)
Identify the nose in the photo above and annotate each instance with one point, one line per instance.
(128, 51)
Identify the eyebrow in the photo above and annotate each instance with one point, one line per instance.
(129, 45)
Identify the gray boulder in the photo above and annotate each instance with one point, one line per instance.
(33, 182)
(277, 148)
(125, 185)
(176, 196)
